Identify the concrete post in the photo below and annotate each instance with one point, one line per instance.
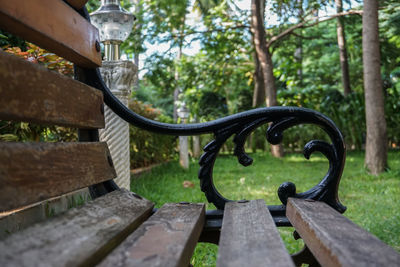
(183, 152)
(119, 77)
(183, 114)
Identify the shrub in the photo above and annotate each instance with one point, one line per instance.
(146, 147)
(23, 131)
(348, 113)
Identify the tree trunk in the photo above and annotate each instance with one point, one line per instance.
(178, 90)
(259, 98)
(269, 79)
(259, 87)
(376, 143)
(341, 38)
(298, 54)
(265, 59)
(183, 140)
(176, 96)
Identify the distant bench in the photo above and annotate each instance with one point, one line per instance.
(120, 228)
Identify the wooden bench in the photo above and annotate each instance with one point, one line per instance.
(120, 228)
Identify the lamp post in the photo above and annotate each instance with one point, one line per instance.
(183, 114)
(115, 25)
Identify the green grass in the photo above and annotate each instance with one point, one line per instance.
(372, 202)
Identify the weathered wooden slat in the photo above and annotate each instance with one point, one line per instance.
(249, 237)
(81, 236)
(334, 240)
(78, 4)
(44, 96)
(168, 238)
(24, 217)
(32, 172)
(55, 26)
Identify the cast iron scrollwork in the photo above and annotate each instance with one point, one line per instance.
(282, 118)
(241, 125)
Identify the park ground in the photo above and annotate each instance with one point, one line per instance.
(372, 201)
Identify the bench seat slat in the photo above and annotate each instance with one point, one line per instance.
(32, 172)
(334, 240)
(168, 238)
(81, 236)
(52, 25)
(31, 93)
(249, 237)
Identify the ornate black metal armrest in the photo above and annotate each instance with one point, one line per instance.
(240, 126)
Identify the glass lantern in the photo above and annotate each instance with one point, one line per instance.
(114, 24)
(183, 112)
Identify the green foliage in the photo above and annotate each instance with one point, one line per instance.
(19, 131)
(148, 148)
(320, 87)
(40, 56)
(392, 107)
(29, 132)
(212, 105)
(7, 39)
(219, 79)
(348, 113)
(92, 5)
(221, 86)
(22, 131)
(289, 9)
(205, 254)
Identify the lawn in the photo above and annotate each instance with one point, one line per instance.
(372, 202)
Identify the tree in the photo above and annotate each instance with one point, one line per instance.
(298, 54)
(341, 39)
(265, 59)
(259, 97)
(376, 143)
(258, 80)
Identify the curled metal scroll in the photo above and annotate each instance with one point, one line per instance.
(282, 118)
(240, 126)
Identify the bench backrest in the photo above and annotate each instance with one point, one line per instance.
(32, 172)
